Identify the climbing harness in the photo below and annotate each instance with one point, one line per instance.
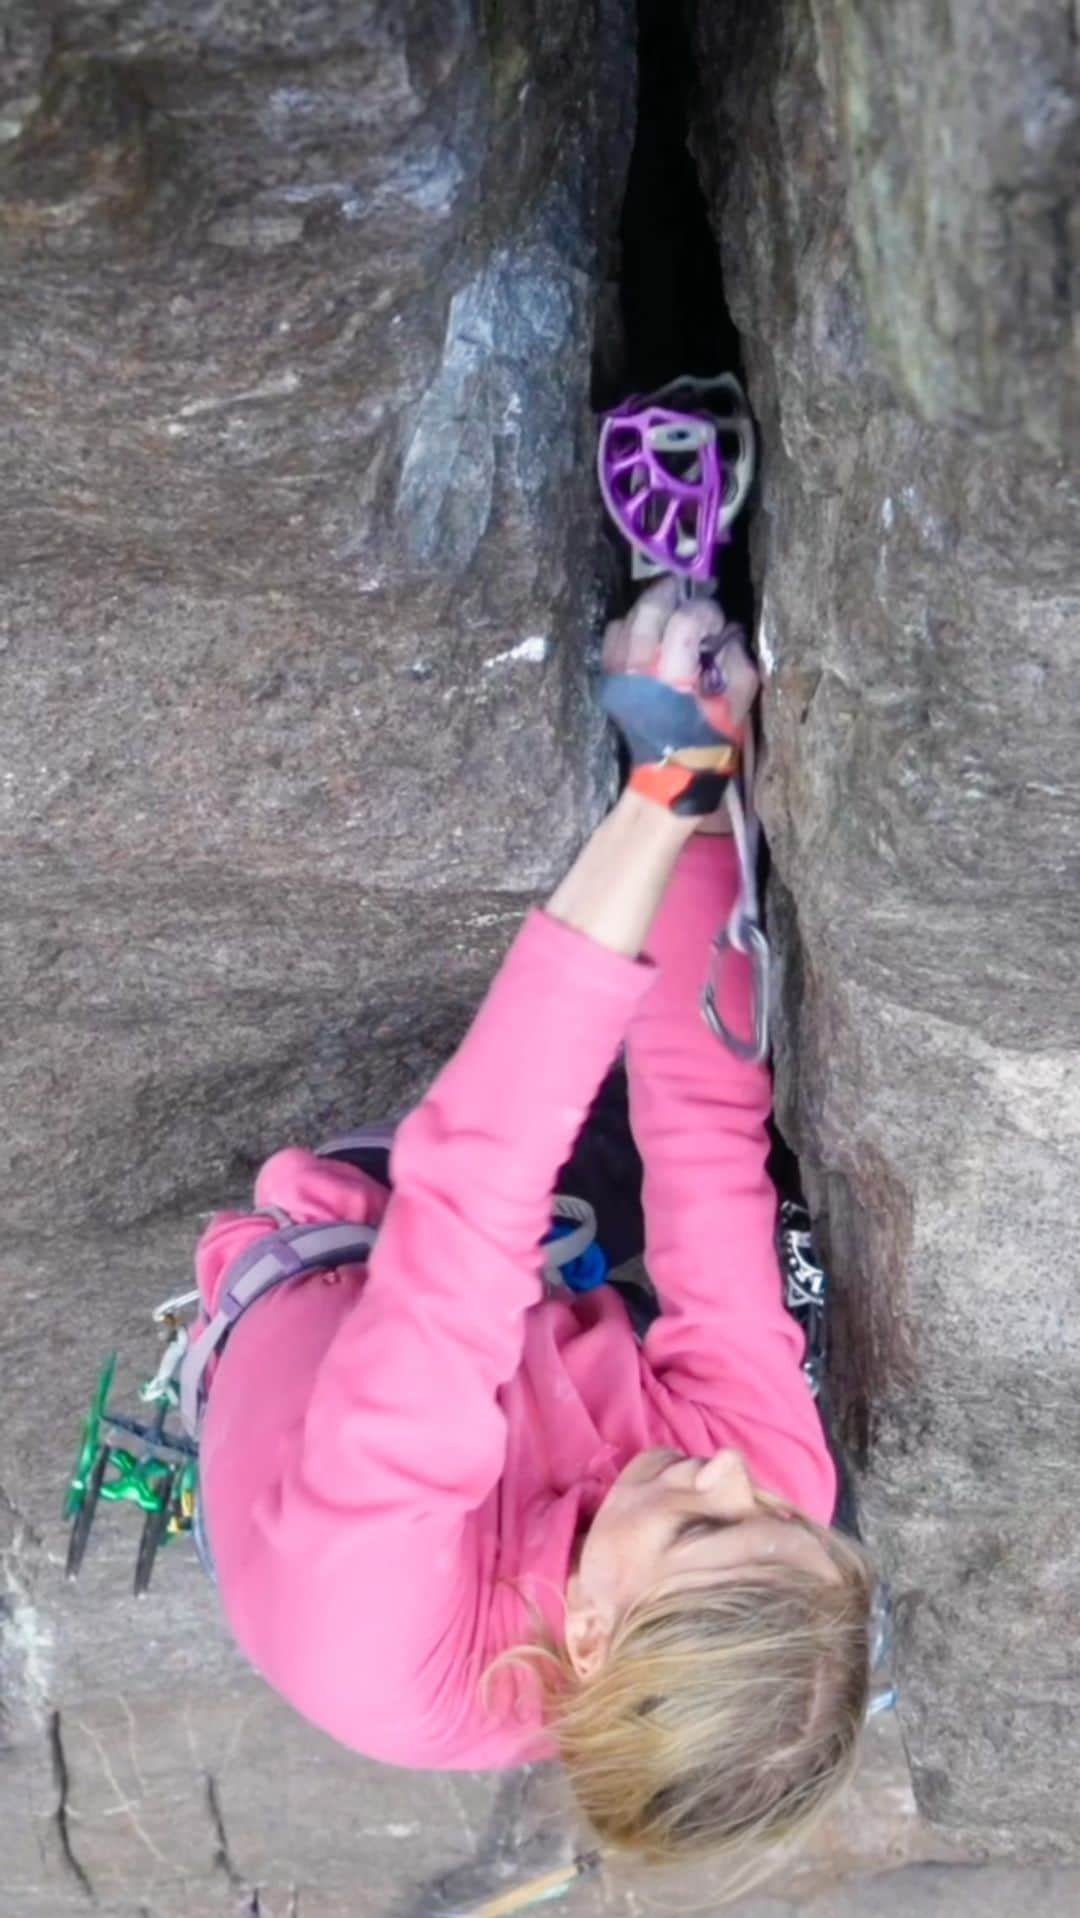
(675, 469)
(292, 1252)
(295, 1251)
(152, 1462)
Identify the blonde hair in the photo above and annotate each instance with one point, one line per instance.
(724, 1719)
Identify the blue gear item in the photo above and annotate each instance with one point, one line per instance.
(585, 1273)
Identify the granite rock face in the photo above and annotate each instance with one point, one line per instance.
(297, 539)
(299, 577)
(891, 188)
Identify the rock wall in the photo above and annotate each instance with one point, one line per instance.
(299, 573)
(299, 570)
(297, 334)
(891, 187)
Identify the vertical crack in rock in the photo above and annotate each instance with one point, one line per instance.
(62, 1781)
(223, 1860)
(675, 315)
(676, 319)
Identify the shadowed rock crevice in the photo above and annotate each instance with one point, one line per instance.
(674, 313)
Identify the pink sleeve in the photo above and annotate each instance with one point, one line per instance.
(367, 1575)
(725, 1339)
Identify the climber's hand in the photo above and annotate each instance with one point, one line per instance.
(693, 648)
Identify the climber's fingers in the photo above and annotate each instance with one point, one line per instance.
(647, 622)
(688, 629)
(706, 652)
(737, 672)
(693, 646)
(616, 647)
(631, 645)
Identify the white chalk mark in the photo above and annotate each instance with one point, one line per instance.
(132, 1730)
(766, 640)
(534, 650)
(239, 1729)
(275, 388)
(29, 1640)
(458, 1802)
(193, 1743)
(123, 1803)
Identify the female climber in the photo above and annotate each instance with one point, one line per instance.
(462, 1524)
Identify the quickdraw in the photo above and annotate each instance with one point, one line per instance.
(675, 470)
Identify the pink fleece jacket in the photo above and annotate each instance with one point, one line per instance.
(396, 1464)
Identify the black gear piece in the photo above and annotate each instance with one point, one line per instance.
(155, 1527)
(84, 1518)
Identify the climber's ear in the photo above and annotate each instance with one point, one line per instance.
(589, 1626)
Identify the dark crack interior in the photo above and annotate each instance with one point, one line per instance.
(673, 311)
(675, 319)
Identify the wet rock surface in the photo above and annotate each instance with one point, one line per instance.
(888, 186)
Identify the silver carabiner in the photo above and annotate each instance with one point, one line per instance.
(756, 949)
